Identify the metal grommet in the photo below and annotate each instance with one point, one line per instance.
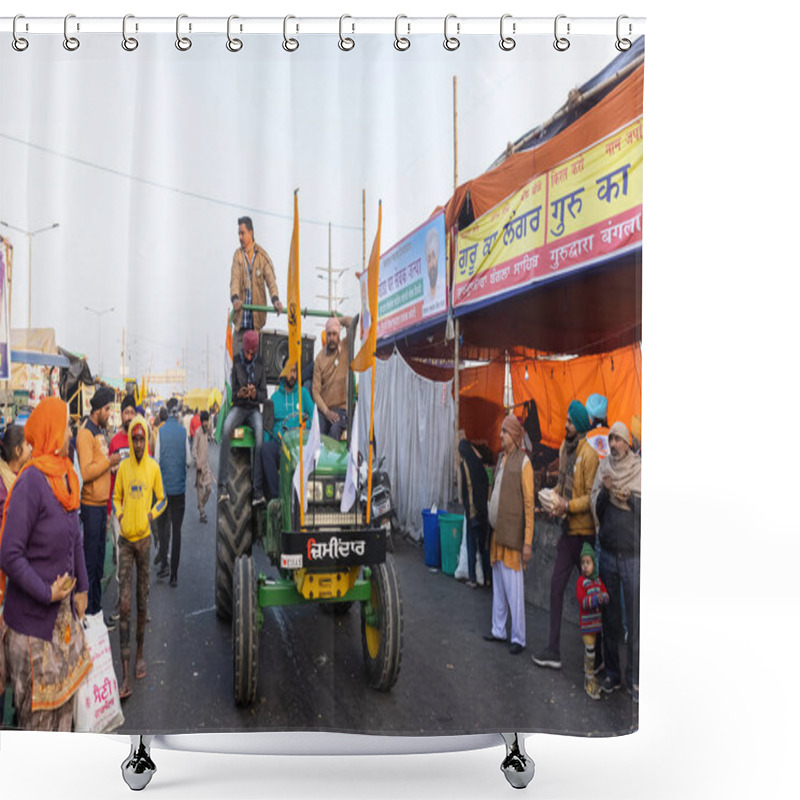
(234, 45)
(183, 43)
(451, 42)
(345, 43)
(129, 43)
(290, 45)
(561, 43)
(18, 43)
(622, 44)
(506, 42)
(70, 42)
(401, 42)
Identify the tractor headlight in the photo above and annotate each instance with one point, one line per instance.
(339, 491)
(315, 491)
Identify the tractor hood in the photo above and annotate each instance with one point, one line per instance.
(332, 457)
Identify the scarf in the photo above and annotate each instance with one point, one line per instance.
(625, 471)
(45, 430)
(566, 466)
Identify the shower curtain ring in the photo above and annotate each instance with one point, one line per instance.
(18, 43)
(507, 42)
(129, 43)
(183, 43)
(622, 44)
(234, 45)
(401, 42)
(451, 42)
(71, 43)
(290, 45)
(561, 43)
(345, 42)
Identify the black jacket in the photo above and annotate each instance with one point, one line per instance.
(239, 379)
(620, 531)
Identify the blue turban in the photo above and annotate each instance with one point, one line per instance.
(579, 416)
(597, 406)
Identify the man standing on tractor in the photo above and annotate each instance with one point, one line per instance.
(252, 281)
(249, 391)
(330, 380)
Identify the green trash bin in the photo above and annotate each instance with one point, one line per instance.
(450, 528)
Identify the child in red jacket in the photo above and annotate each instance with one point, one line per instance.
(591, 595)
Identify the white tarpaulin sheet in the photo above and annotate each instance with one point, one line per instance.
(414, 420)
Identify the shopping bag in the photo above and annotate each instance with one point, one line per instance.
(462, 570)
(98, 708)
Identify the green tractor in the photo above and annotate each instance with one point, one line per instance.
(335, 560)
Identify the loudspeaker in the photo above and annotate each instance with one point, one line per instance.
(274, 350)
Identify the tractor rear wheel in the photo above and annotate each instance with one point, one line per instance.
(382, 627)
(245, 632)
(234, 529)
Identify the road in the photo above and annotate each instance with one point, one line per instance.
(311, 666)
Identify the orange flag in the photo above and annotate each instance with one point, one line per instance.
(293, 298)
(366, 355)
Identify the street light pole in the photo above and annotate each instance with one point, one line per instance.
(99, 332)
(30, 235)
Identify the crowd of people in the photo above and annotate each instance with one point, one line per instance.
(61, 495)
(597, 500)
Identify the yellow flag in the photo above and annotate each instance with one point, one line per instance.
(293, 298)
(366, 355)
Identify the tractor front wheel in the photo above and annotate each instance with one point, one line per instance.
(382, 627)
(245, 632)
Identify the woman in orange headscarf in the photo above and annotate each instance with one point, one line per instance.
(41, 553)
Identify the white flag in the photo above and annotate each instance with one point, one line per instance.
(351, 479)
(310, 456)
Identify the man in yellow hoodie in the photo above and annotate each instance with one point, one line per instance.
(138, 482)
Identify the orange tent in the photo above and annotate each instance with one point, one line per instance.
(555, 383)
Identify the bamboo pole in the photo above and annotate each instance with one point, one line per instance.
(456, 354)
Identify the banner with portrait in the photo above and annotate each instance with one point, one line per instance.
(584, 210)
(413, 279)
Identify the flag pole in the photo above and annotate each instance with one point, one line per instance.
(373, 339)
(296, 254)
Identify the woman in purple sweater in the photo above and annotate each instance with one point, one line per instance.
(43, 652)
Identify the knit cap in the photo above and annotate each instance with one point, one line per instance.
(588, 550)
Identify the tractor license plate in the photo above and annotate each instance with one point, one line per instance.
(305, 549)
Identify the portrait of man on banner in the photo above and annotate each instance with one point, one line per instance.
(434, 279)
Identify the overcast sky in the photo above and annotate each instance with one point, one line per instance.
(146, 159)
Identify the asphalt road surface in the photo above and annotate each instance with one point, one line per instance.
(311, 666)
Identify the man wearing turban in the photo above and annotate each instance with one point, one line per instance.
(95, 465)
(329, 390)
(577, 465)
(511, 545)
(249, 389)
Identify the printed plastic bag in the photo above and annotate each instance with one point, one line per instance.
(98, 708)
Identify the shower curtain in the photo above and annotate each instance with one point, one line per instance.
(501, 188)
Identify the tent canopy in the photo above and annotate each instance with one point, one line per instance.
(589, 310)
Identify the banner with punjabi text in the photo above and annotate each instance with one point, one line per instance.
(585, 209)
(413, 283)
